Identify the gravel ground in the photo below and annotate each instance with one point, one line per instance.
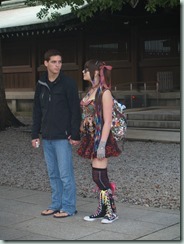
(146, 173)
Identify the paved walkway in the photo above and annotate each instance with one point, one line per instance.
(20, 219)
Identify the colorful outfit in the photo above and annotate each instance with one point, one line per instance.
(91, 129)
(88, 129)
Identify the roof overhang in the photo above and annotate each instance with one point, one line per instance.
(25, 16)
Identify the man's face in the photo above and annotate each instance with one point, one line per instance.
(54, 64)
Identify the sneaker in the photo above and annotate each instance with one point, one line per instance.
(109, 219)
(94, 217)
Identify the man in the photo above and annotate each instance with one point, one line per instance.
(56, 113)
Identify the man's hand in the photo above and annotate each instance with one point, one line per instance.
(73, 142)
(36, 143)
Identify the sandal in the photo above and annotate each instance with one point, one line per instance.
(49, 212)
(62, 214)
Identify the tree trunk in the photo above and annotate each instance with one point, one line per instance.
(7, 118)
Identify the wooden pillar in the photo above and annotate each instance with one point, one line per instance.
(134, 53)
(33, 63)
(80, 55)
(14, 105)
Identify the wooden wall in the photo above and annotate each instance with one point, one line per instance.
(18, 63)
(140, 50)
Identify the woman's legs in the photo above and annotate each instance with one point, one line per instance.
(100, 177)
(106, 207)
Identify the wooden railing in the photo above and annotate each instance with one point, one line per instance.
(144, 87)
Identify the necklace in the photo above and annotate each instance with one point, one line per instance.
(90, 92)
(92, 89)
(88, 95)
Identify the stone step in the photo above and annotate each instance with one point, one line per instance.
(154, 124)
(154, 116)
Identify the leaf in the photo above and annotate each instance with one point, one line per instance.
(86, 9)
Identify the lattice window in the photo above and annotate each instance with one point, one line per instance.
(112, 50)
(161, 47)
(165, 79)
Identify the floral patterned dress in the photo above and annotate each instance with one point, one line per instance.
(88, 126)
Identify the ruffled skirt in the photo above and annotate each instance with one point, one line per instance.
(86, 148)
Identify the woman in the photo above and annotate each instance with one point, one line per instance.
(97, 142)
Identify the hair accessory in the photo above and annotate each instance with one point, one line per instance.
(102, 81)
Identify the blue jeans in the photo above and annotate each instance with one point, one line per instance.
(58, 157)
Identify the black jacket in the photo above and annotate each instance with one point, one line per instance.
(56, 110)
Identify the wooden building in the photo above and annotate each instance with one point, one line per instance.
(143, 48)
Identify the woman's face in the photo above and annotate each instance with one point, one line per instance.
(86, 74)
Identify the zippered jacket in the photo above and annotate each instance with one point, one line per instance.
(56, 109)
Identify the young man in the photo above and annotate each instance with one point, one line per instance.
(56, 114)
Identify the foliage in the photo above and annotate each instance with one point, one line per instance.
(86, 9)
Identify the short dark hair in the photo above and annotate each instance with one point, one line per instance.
(51, 52)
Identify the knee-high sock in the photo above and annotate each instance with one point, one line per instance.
(100, 177)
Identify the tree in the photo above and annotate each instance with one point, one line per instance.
(7, 118)
(84, 9)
